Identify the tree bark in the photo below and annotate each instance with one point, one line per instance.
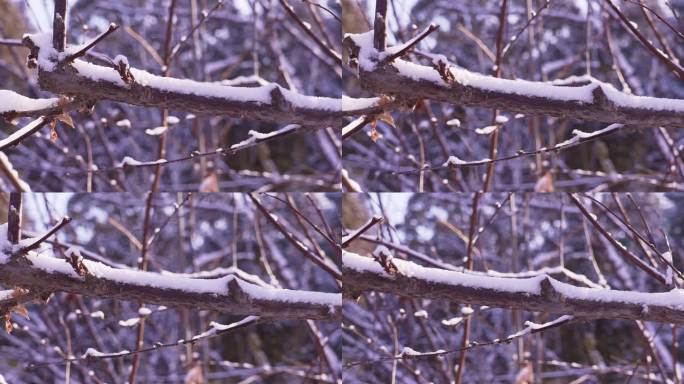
(237, 299)
(548, 297)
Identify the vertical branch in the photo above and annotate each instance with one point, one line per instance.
(59, 25)
(14, 218)
(469, 266)
(494, 141)
(380, 27)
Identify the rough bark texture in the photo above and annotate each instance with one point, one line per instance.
(68, 82)
(18, 273)
(548, 301)
(387, 80)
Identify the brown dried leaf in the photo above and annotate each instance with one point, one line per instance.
(53, 131)
(374, 135)
(209, 184)
(66, 119)
(545, 183)
(387, 118)
(8, 323)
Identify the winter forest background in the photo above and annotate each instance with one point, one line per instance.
(329, 191)
(205, 236)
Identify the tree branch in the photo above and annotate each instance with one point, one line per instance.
(539, 294)
(227, 294)
(59, 25)
(14, 214)
(579, 98)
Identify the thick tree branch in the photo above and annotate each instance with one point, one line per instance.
(228, 294)
(539, 294)
(267, 103)
(580, 98)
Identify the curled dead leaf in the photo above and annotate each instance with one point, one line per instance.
(66, 119)
(545, 183)
(374, 135)
(53, 131)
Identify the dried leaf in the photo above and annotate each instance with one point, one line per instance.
(374, 135)
(8, 323)
(209, 184)
(53, 131)
(66, 119)
(20, 310)
(545, 183)
(387, 118)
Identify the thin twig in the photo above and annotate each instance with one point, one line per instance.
(112, 27)
(35, 244)
(412, 43)
(370, 223)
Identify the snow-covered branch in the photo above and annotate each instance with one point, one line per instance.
(226, 294)
(268, 102)
(539, 294)
(582, 98)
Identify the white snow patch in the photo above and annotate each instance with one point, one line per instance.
(125, 123)
(97, 315)
(92, 352)
(453, 160)
(129, 161)
(454, 321)
(121, 59)
(130, 322)
(501, 119)
(144, 311)
(454, 123)
(421, 314)
(486, 130)
(157, 131)
(12, 101)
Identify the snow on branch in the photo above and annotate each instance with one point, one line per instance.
(539, 294)
(582, 98)
(226, 294)
(270, 102)
(14, 105)
(7, 169)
